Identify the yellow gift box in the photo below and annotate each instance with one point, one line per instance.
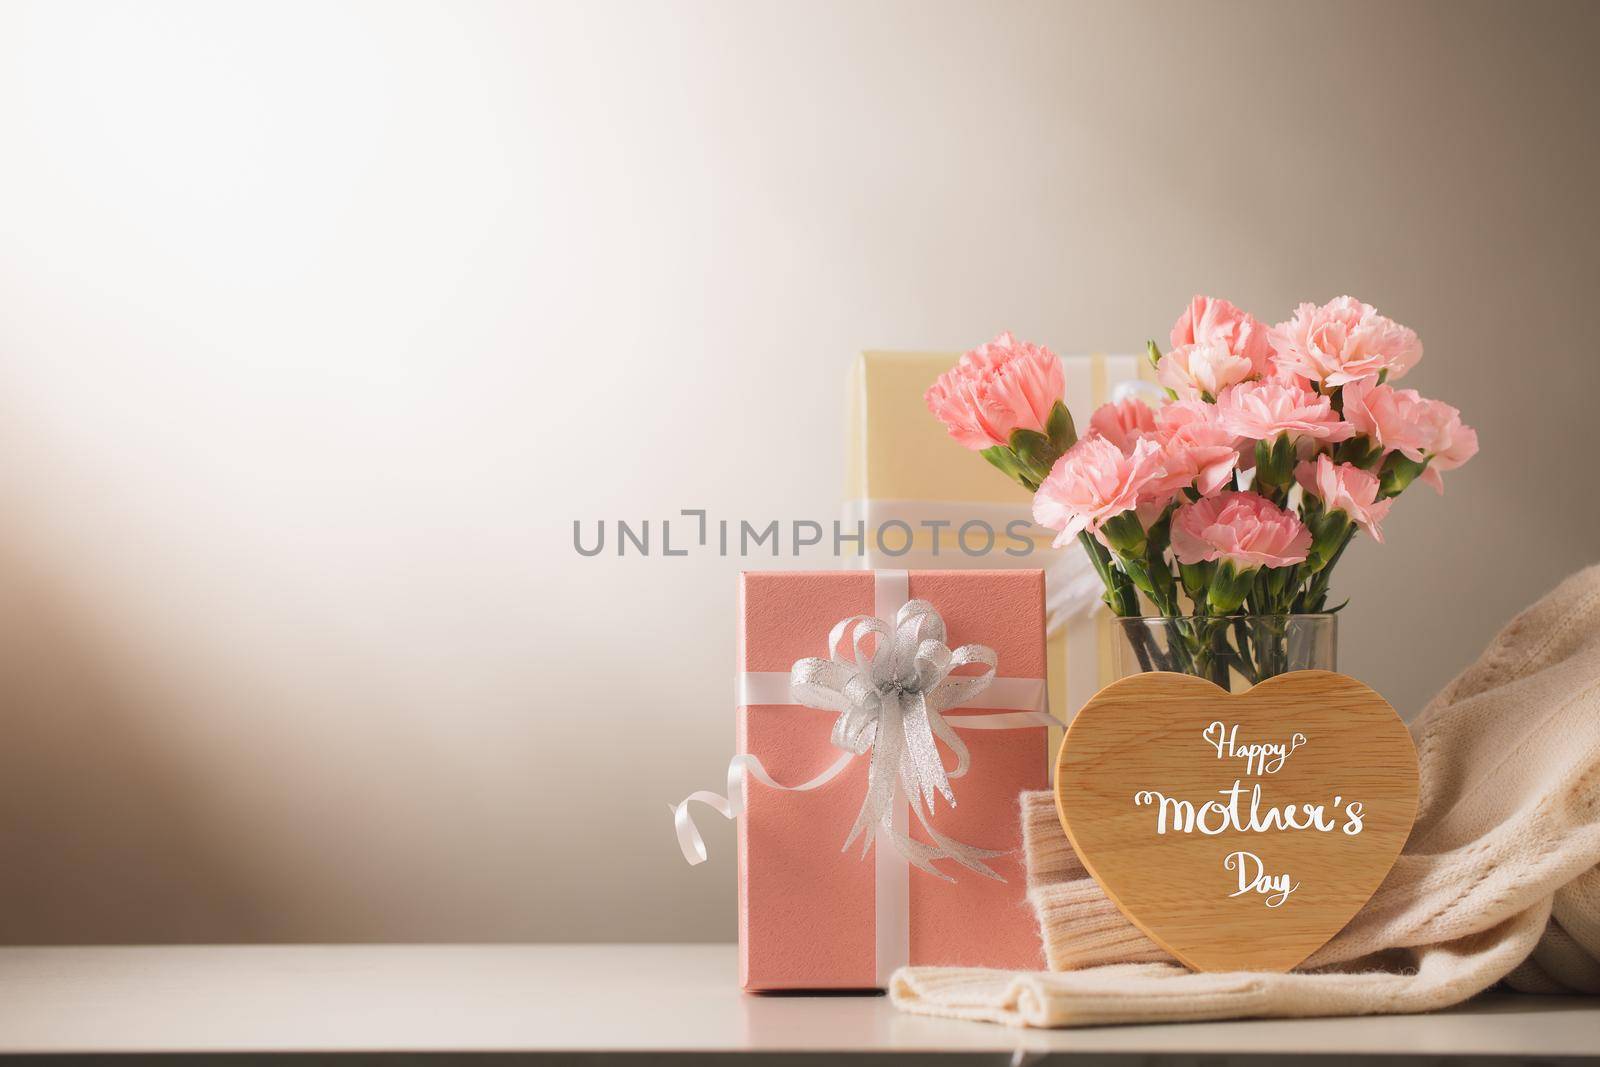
(931, 499)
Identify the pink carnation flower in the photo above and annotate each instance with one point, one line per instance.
(1260, 411)
(1123, 422)
(1197, 450)
(1174, 416)
(1214, 345)
(1244, 528)
(1347, 488)
(1343, 341)
(996, 388)
(1095, 481)
(1404, 421)
(1208, 320)
(1196, 371)
(1392, 418)
(1454, 445)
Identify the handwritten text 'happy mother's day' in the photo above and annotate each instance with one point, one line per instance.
(1240, 810)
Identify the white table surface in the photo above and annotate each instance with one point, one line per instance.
(617, 998)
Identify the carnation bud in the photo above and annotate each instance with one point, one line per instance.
(1034, 453)
(1328, 530)
(1274, 465)
(1196, 578)
(1005, 461)
(1230, 587)
(1398, 472)
(1124, 533)
(1359, 450)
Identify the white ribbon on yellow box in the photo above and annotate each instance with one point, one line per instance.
(903, 468)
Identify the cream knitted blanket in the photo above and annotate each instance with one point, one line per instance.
(1498, 881)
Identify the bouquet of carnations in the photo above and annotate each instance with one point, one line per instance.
(1229, 504)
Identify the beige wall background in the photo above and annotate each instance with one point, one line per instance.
(320, 324)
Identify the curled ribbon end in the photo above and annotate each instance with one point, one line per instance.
(690, 843)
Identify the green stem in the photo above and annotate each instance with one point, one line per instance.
(1317, 591)
(1241, 635)
(1121, 597)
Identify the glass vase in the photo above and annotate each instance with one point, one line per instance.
(1234, 651)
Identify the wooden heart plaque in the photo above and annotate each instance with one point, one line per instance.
(1240, 831)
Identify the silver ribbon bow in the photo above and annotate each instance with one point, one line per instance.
(891, 687)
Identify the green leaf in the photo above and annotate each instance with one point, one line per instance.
(1152, 352)
(1063, 435)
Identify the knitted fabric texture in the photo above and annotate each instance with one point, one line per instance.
(1498, 881)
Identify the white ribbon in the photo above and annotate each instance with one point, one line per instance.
(889, 685)
(890, 692)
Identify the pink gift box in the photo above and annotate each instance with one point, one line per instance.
(809, 912)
